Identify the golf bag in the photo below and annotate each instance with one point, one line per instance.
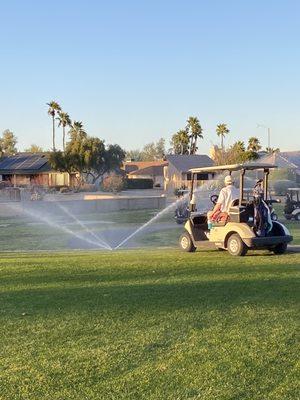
(262, 217)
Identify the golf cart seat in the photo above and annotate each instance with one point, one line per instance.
(240, 213)
(234, 209)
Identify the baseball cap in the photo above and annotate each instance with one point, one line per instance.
(228, 180)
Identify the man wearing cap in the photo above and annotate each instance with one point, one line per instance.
(225, 199)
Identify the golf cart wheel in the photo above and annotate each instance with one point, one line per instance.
(297, 217)
(186, 244)
(280, 248)
(235, 246)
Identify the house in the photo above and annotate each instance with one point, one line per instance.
(27, 169)
(177, 174)
(285, 160)
(146, 170)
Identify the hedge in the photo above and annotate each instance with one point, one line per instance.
(139, 183)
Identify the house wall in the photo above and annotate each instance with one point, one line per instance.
(172, 178)
(59, 179)
(51, 179)
(175, 179)
(40, 180)
(27, 180)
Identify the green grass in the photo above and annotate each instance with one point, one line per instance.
(294, 228)
(149, 324)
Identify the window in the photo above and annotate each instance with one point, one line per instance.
(202, 177)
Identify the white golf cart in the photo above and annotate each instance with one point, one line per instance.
(244, 228)
(292, 204)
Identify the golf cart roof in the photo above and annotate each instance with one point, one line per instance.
(233, 167)
(294, 189)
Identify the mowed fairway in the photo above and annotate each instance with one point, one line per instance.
(149, 324)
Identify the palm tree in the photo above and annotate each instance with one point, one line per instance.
(254, 144)
(272, 150)
(54, 107)
(194, 131)
(64, 120)
(76, 130)
(222, 130)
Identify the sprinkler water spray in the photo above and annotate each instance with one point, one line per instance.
(101, 242)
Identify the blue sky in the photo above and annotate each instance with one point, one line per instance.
(134, 71)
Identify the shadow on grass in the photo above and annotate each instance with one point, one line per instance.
(154, 297)
(132, 273)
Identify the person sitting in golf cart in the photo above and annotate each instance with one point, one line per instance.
(227, 195)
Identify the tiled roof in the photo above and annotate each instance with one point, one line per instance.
(285, 159)
(130, 166)
(157, 170)
(184, 163)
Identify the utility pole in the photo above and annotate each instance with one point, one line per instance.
(269, 133)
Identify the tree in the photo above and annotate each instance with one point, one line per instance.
(154, 151)
(54, 107)
(77, 130)
(235, 154)
(194, 130)
(8, 143)
(180, 142)
(114, 157)
(222, 130)
(63, 121)
(34, 148)
(87, 156)
(134, 155)
(150, 152)
(272, 150)
(253, 147)
(74, 158)
(253, 144)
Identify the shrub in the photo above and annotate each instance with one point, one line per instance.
(88, 187)
(139, 183)
(64, 189)
(113, 183)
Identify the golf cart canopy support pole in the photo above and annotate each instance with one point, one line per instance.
(266, 181)
(192, 191)
(242, 174)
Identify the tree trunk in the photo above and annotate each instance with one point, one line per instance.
(96, 177)
(64, 138)
(222, 142)
(195, 146)
(53, 132)
(191, 145)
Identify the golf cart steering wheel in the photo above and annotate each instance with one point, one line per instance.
(214, 199)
